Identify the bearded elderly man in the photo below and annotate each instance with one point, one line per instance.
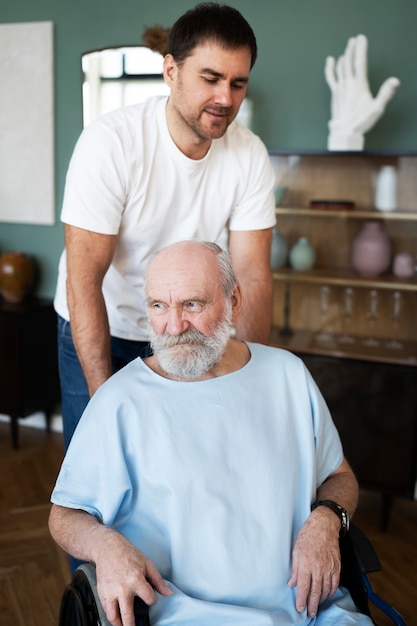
(196, 492)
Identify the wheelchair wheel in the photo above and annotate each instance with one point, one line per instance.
(81, 606)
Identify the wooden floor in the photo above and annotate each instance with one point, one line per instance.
(33, 571)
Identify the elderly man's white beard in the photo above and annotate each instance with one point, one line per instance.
(191, 354)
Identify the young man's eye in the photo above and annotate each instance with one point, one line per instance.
(238, 86)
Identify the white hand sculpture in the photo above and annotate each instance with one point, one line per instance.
(353, 108)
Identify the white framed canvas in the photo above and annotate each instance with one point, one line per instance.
(27, 185)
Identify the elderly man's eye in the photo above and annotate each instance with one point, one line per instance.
(192, 305)
(157, 306)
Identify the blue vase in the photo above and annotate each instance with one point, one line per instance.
(302, 255)
(279, 249)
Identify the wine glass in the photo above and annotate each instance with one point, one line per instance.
(324, 305)
(395, 315)
(348, 301)
(286, 330)
(372, 314)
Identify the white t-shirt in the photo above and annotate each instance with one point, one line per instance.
(212, 480)
(128, 178)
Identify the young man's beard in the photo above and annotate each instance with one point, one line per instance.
(191, 354)
(196, 119)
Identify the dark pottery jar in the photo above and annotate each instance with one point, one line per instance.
(16, 276)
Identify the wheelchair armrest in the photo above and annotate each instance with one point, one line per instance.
(363, 550)
(358, 560)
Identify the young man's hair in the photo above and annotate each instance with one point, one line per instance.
(212, 22)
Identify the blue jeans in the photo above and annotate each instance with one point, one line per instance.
(74, 392)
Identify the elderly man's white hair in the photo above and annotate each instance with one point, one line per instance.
(229, 280)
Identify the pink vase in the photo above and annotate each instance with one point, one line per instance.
(371, 250)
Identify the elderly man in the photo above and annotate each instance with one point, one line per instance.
(216, 486)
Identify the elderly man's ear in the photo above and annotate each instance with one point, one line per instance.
(237, 303)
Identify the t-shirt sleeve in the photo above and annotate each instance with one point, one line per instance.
(94, 475)
(329, 450)
(95, 187)
(255, 208)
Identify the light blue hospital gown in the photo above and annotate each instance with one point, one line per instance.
(212, 480)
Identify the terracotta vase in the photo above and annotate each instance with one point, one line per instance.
(371, 250)
(16, 276)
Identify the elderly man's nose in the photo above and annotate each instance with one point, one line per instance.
(176, 322)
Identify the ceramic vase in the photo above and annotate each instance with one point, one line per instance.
(16, 276)
(302, 255)
(279, 249)
(371, 250)
(403, 265)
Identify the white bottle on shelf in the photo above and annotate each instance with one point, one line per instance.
(386, 189)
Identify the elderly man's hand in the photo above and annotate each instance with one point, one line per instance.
(316, 560)
(123, 572)
(354, 109)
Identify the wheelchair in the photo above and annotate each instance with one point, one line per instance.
(80, 605)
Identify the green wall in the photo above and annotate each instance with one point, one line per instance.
(292, 100)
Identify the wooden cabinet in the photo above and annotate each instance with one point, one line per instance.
(374, 406)
(28, 361)
(357, 335)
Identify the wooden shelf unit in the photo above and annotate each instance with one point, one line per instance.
(334, 345)
(342, 278)
(344, 177)
(371, 214)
